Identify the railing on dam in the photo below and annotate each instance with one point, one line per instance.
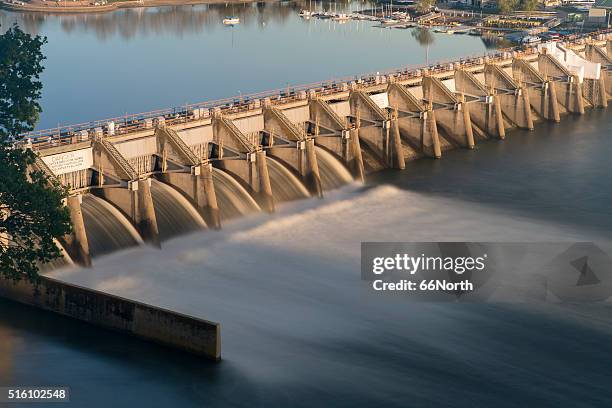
(63, 135)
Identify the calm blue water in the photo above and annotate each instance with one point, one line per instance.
(105, 65)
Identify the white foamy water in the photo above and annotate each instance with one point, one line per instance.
(286, 288)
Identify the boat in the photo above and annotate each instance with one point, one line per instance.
(389, 21)
(530, 39)
(341, 17)
(231, 20)
(306, 13)
(475, 31)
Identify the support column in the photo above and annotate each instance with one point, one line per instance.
(553, 102)
(265, 187)
(356, 164)
(398, 153)
(602, 100)
(146, 221)
(467, 123)
(313, 177)
(499, 118)
(527, 108)
(76, 242)
(207, 197)
(575, 100)
(430, 137)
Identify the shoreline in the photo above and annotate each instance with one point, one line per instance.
(108, 7)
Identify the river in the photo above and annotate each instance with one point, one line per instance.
(298, 327)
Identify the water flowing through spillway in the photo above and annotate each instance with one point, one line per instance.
(56, 263)
(107, 229)
(285, 185)
(333, 173)
(174, 213)
(233, 199)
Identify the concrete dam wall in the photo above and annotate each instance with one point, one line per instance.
(148, 179)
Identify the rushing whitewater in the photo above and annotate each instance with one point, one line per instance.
(107, 229)
(232, 198)
(174, 213)
(285, 185)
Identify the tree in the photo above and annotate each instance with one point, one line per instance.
(529, 5)
(424, 6)
(20, 68)
(32, 214)
(507, 6)
(425, 38)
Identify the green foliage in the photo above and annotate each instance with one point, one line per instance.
(424, 6)
(423, 36)
(20, 68)
(529, 5)
(507, 6)
(32, 213)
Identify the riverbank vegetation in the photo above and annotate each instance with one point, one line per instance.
(32, 213)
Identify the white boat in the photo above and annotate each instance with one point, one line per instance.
(341, 17)
(389, 21)
(306, 13)
(231, 21)
(530, 39)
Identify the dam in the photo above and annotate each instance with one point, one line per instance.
(143, 179)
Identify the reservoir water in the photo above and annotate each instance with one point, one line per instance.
(298, 327)
(136, 60)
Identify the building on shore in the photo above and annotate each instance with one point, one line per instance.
(600, 14)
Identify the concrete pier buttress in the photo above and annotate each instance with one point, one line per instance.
(375, 131)
(183, 170)
(206, 197)
(485, 111)
(541, 93)
(596, 54)
(250, 167)
(130, 194)
(417, 126)
(146, 221)
(397, 151)
(512, 99)
(310, 173)
(333, 134)
(567, 86)
(299, 153)
(76, 243)
(151, 323)
(264, 181)
(452, 113)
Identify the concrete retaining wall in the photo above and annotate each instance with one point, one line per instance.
(101, 309)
